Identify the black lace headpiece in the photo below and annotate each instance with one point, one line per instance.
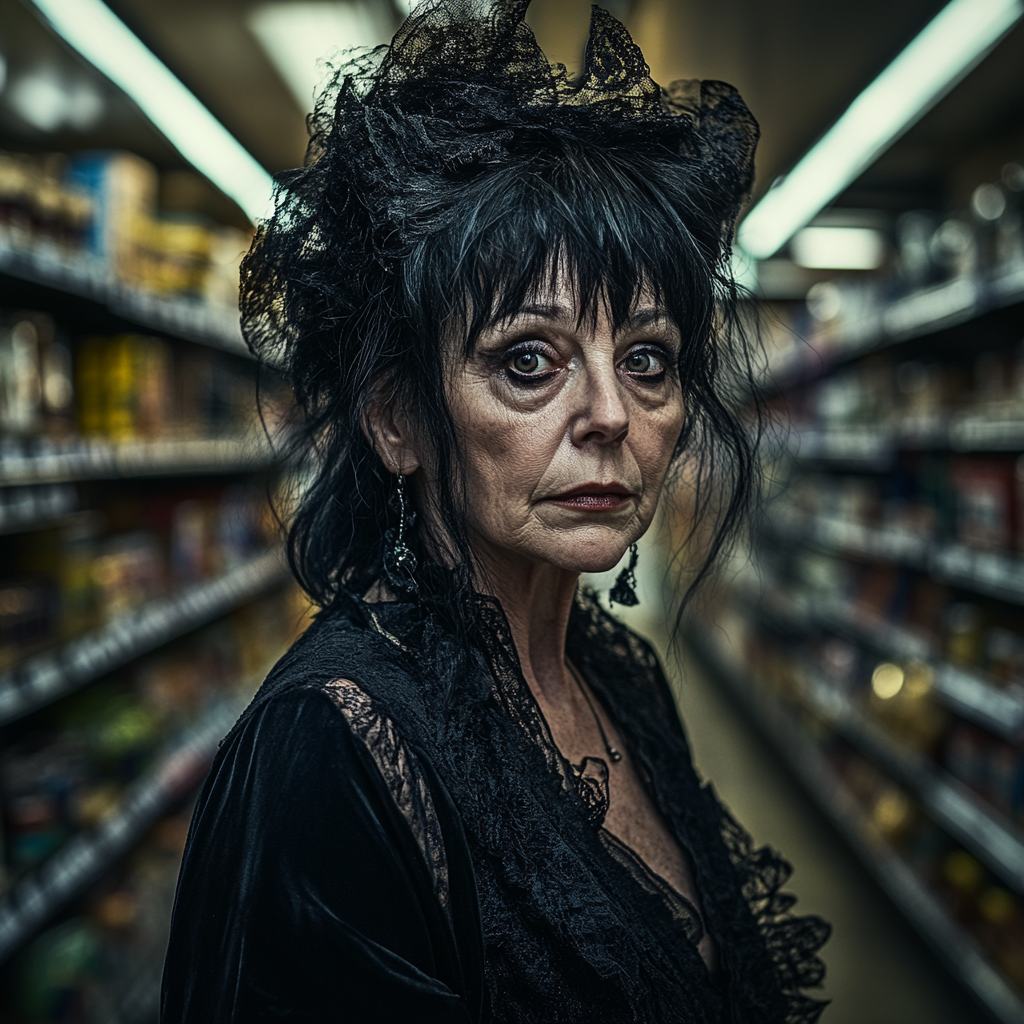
(464, 89)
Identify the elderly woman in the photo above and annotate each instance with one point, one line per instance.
(503, 300)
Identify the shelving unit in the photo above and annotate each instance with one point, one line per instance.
(985, 572)
(789, 738)
(882, 324)
(90, 286)
(869, 448)
(38, 896)
(98, 460)
(997, 708)
(878, 640)
(148, 522)
(33, 508)
(47, 677)
(993, 839)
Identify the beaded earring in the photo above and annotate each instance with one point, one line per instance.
(624, 591)
(399, 561)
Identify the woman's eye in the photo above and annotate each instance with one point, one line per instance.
(529, 363)
(644, 362)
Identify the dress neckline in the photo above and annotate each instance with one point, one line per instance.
(678, 904)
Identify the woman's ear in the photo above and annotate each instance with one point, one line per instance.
(391, 435)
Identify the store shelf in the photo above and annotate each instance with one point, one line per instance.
(845, 537)
(874, 449)
(963, 815)
(962, 955)
(969, 693)
(981, 829)
(35, 898)
(986, 572)
(101, 460)
(49, 676)
(867, 449)
(35, 508)
(994, 840)
(883, 324)
(187, 319)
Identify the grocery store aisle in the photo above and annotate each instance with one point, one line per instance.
(879, 969)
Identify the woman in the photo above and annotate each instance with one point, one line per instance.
(502, 299)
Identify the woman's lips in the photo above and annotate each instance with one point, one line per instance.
(593, 498)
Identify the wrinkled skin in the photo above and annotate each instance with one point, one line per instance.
(545, 405)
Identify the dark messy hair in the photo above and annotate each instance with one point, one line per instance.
(449, 177)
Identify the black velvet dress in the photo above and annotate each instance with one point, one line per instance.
(389, 834)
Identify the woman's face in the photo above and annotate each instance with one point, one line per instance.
(568, 432)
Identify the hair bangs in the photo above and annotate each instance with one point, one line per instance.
(591, 225)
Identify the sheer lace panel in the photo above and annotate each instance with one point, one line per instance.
(592, 777)
(401, 771)
(682, 910)
(592, 780)
(792, 941)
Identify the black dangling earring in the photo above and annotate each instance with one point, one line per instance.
(624, 591)
(399, 561)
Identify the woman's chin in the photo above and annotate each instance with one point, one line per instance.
(590, 558)
(591, 550)
(605, 565)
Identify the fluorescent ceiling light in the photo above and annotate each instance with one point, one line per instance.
(105, 41)
(298, 36)
(944, 51)
(822, 248)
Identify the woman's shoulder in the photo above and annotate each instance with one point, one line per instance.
(314, 731)
(335, 648)
(320, 697)
(316, 726)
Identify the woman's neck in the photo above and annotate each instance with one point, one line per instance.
(537, 600)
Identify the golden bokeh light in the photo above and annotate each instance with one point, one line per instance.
(887, 680)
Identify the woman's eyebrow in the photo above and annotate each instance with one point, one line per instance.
(638, 320)
(536, 311)
(641, 319)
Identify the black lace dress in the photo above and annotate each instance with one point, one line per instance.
(389, 834)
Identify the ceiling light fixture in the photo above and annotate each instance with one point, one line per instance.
(828, 248)
(297, 36)
(952, 43)
(106, 42)
(46, 100)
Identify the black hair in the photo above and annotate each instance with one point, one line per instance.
(449, 176)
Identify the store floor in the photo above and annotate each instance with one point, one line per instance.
(879, 969)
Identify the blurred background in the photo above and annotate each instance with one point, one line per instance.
(853, 683)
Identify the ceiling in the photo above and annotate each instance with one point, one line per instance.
(798, 63)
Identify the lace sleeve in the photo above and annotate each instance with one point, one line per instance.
(792, 942)
(402, 774)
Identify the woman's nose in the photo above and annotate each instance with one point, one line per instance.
(604, 416)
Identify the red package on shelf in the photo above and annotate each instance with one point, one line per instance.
(986, 502)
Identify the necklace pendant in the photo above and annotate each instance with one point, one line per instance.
(613, 753)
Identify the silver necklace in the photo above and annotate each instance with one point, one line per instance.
(613, 754)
